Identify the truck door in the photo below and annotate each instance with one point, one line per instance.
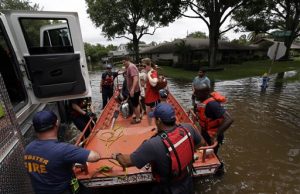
(50, 51)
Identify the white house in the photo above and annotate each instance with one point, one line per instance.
(122, 50)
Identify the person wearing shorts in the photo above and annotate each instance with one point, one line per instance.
(132, 79)
(151, 94)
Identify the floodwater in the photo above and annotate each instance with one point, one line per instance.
(261, 151)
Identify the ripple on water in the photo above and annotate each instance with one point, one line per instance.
(262, 146)
(293, 152)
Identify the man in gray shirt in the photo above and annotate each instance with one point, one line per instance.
(199, 80)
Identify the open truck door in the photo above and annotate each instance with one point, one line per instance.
(50, 51)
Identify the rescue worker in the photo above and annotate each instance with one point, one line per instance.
(81, 111)
(49, 162)
(157, 151)
(198, 80)
(213, 118)
(107, 84)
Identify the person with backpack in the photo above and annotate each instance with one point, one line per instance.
(213, 118)
(171, 166)
(151, 94)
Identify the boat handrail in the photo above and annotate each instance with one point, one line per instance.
(194, 116)
(205, 148)
(82, 139)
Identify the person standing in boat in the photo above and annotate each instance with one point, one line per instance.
(123, 98)
(132, 79)
(107, 84)
(171, 169)
(142, 82)
(151, 94)
(198, 80)
(49, 162)
(81, 111)
(213, 118)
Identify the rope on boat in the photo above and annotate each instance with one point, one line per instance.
(106, 169)
(110, 175)
(109, 141)
(94, 132)
(113, 136)
(103, 170)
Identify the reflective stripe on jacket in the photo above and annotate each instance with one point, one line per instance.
(180, 147)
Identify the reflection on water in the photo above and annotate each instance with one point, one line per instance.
(262, 148)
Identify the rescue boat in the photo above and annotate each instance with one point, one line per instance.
(113, 133)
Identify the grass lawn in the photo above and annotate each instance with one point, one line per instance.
(236, 71)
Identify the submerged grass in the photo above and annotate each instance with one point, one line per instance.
(236, 71)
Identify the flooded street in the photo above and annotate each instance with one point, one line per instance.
(262, 148)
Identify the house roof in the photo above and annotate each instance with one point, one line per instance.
(193, 44)
(295, 46)
(267, 42)
(263, 40)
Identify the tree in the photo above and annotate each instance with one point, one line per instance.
(111, 47)
(184, 54)
(253, 36)
(153, 43)
(224, 38)
(18, 5)
(214, 13)
(242, 40)
(132, 19)
(281, 15)
(98, 51)
(197, 34)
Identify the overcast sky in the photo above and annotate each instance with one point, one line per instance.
(91, 34)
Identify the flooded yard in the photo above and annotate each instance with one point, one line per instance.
(262, 148)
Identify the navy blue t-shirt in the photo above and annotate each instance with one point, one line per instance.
(49, 164)
(214, 110)
(153, 150)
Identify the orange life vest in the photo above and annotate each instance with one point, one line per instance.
(207, 124)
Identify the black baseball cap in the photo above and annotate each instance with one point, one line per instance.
(44, 120)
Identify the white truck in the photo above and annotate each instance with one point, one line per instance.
(42, 63)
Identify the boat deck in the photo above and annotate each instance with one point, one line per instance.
(124, 137)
